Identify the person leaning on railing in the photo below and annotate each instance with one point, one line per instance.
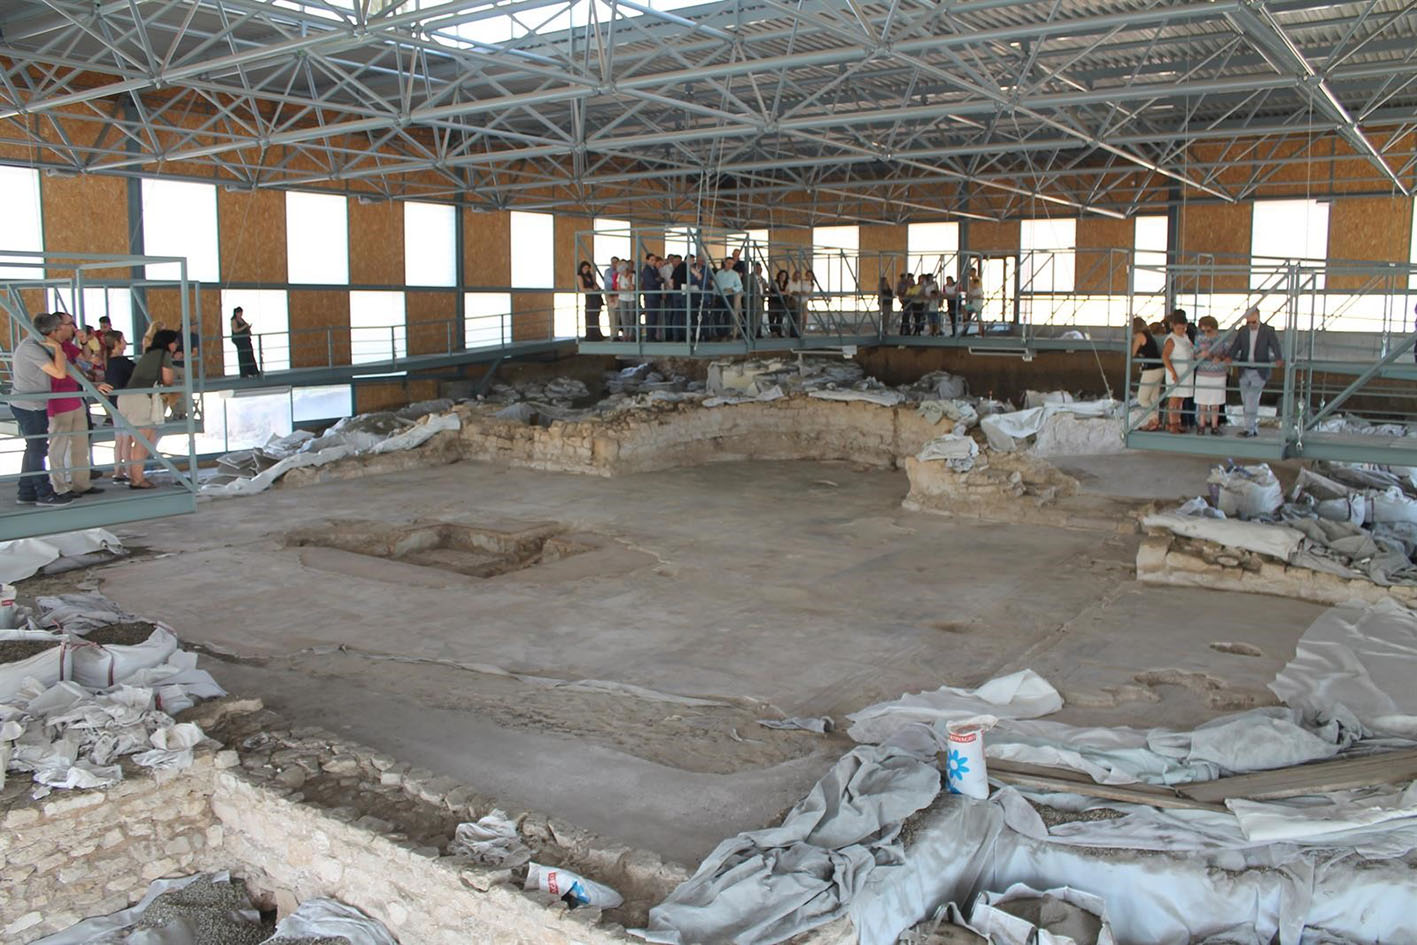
(1146, 351)
(37, 359)
(141, 406)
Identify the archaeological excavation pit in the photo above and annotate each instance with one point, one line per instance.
(469, 550)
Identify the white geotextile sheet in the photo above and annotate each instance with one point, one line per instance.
(1356, 666)
(1277, 541)
(23, 557)
(1067, 434)
(416, 435)
(330, 918)
(883, 398)
(767, 885)
(957, 451)
(1023, 694)
(1238, 894)
(1007, 431)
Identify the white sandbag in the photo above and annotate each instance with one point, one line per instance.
(1277, 541)
(1065, 434)
(1246, 492)
(1021, 915)
(1390, 505)
(958, 452)
(1038, 398)
(46, 668)
(491, 841)
(99, 666)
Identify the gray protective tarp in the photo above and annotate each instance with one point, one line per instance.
(767, 885)
(1356, 665)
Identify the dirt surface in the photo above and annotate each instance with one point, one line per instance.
(709, 739)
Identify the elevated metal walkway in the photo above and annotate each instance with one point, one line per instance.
(1348, 383)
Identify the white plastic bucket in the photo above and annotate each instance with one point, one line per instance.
(964, 761)
(7, 606)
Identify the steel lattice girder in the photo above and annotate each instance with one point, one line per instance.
(862, 111)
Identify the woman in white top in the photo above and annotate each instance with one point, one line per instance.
(1178, 357)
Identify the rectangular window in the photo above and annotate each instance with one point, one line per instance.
(932, 247)
(834, 265)
(179, 219)
(612, 238)
(429, 244)
(317, 238)
(267, 312)
(533, 250)
(24, 221)
(566, 314)
(1283, 232)
(377, 329)
(489, 318)
(1149, 247)
(1047, 264)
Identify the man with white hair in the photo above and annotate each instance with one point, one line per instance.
(1255, 348)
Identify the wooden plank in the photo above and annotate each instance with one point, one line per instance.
(1319, 777)
(1063, 780)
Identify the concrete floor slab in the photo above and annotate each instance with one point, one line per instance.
(799, 588)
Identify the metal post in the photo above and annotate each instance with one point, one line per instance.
(1288, 431)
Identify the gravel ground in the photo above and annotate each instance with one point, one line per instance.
(210, 910)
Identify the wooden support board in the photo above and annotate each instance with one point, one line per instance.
(1074, 782)
(1318, 777)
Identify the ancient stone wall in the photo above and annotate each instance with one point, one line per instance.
(797, 427)
(296, 815)
(80, 853)
(1165, 558)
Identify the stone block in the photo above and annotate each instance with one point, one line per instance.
(73, 802)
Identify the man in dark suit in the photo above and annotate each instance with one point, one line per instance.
(652, 286)
(1256, 347)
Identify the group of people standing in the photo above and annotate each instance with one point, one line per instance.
(56, 428)
(670, 297)
(1193, 363)
(920, 301)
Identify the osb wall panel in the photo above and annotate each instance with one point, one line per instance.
(1220, 229)
(531, 316)
(389, 396)
(85, 214)
(376, 243)
(1096, 269)
(487, 248)
(987, 236)
(883, 250)
(252, 236)
(432, 318)
(319, 327)
(568, 254)
(790, 248)
(1368, 228)
(165, 305)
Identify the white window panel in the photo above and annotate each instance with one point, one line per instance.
(317, 238)
(488, 318)
(1286, 231)
(1047, 248)
(377, 327)
(180, 219)
(430, 244)
(1149, 244)
(533, 250)
(612, 238)
(932, 247)
(834, 263)
(24, 220)
(268, 312)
